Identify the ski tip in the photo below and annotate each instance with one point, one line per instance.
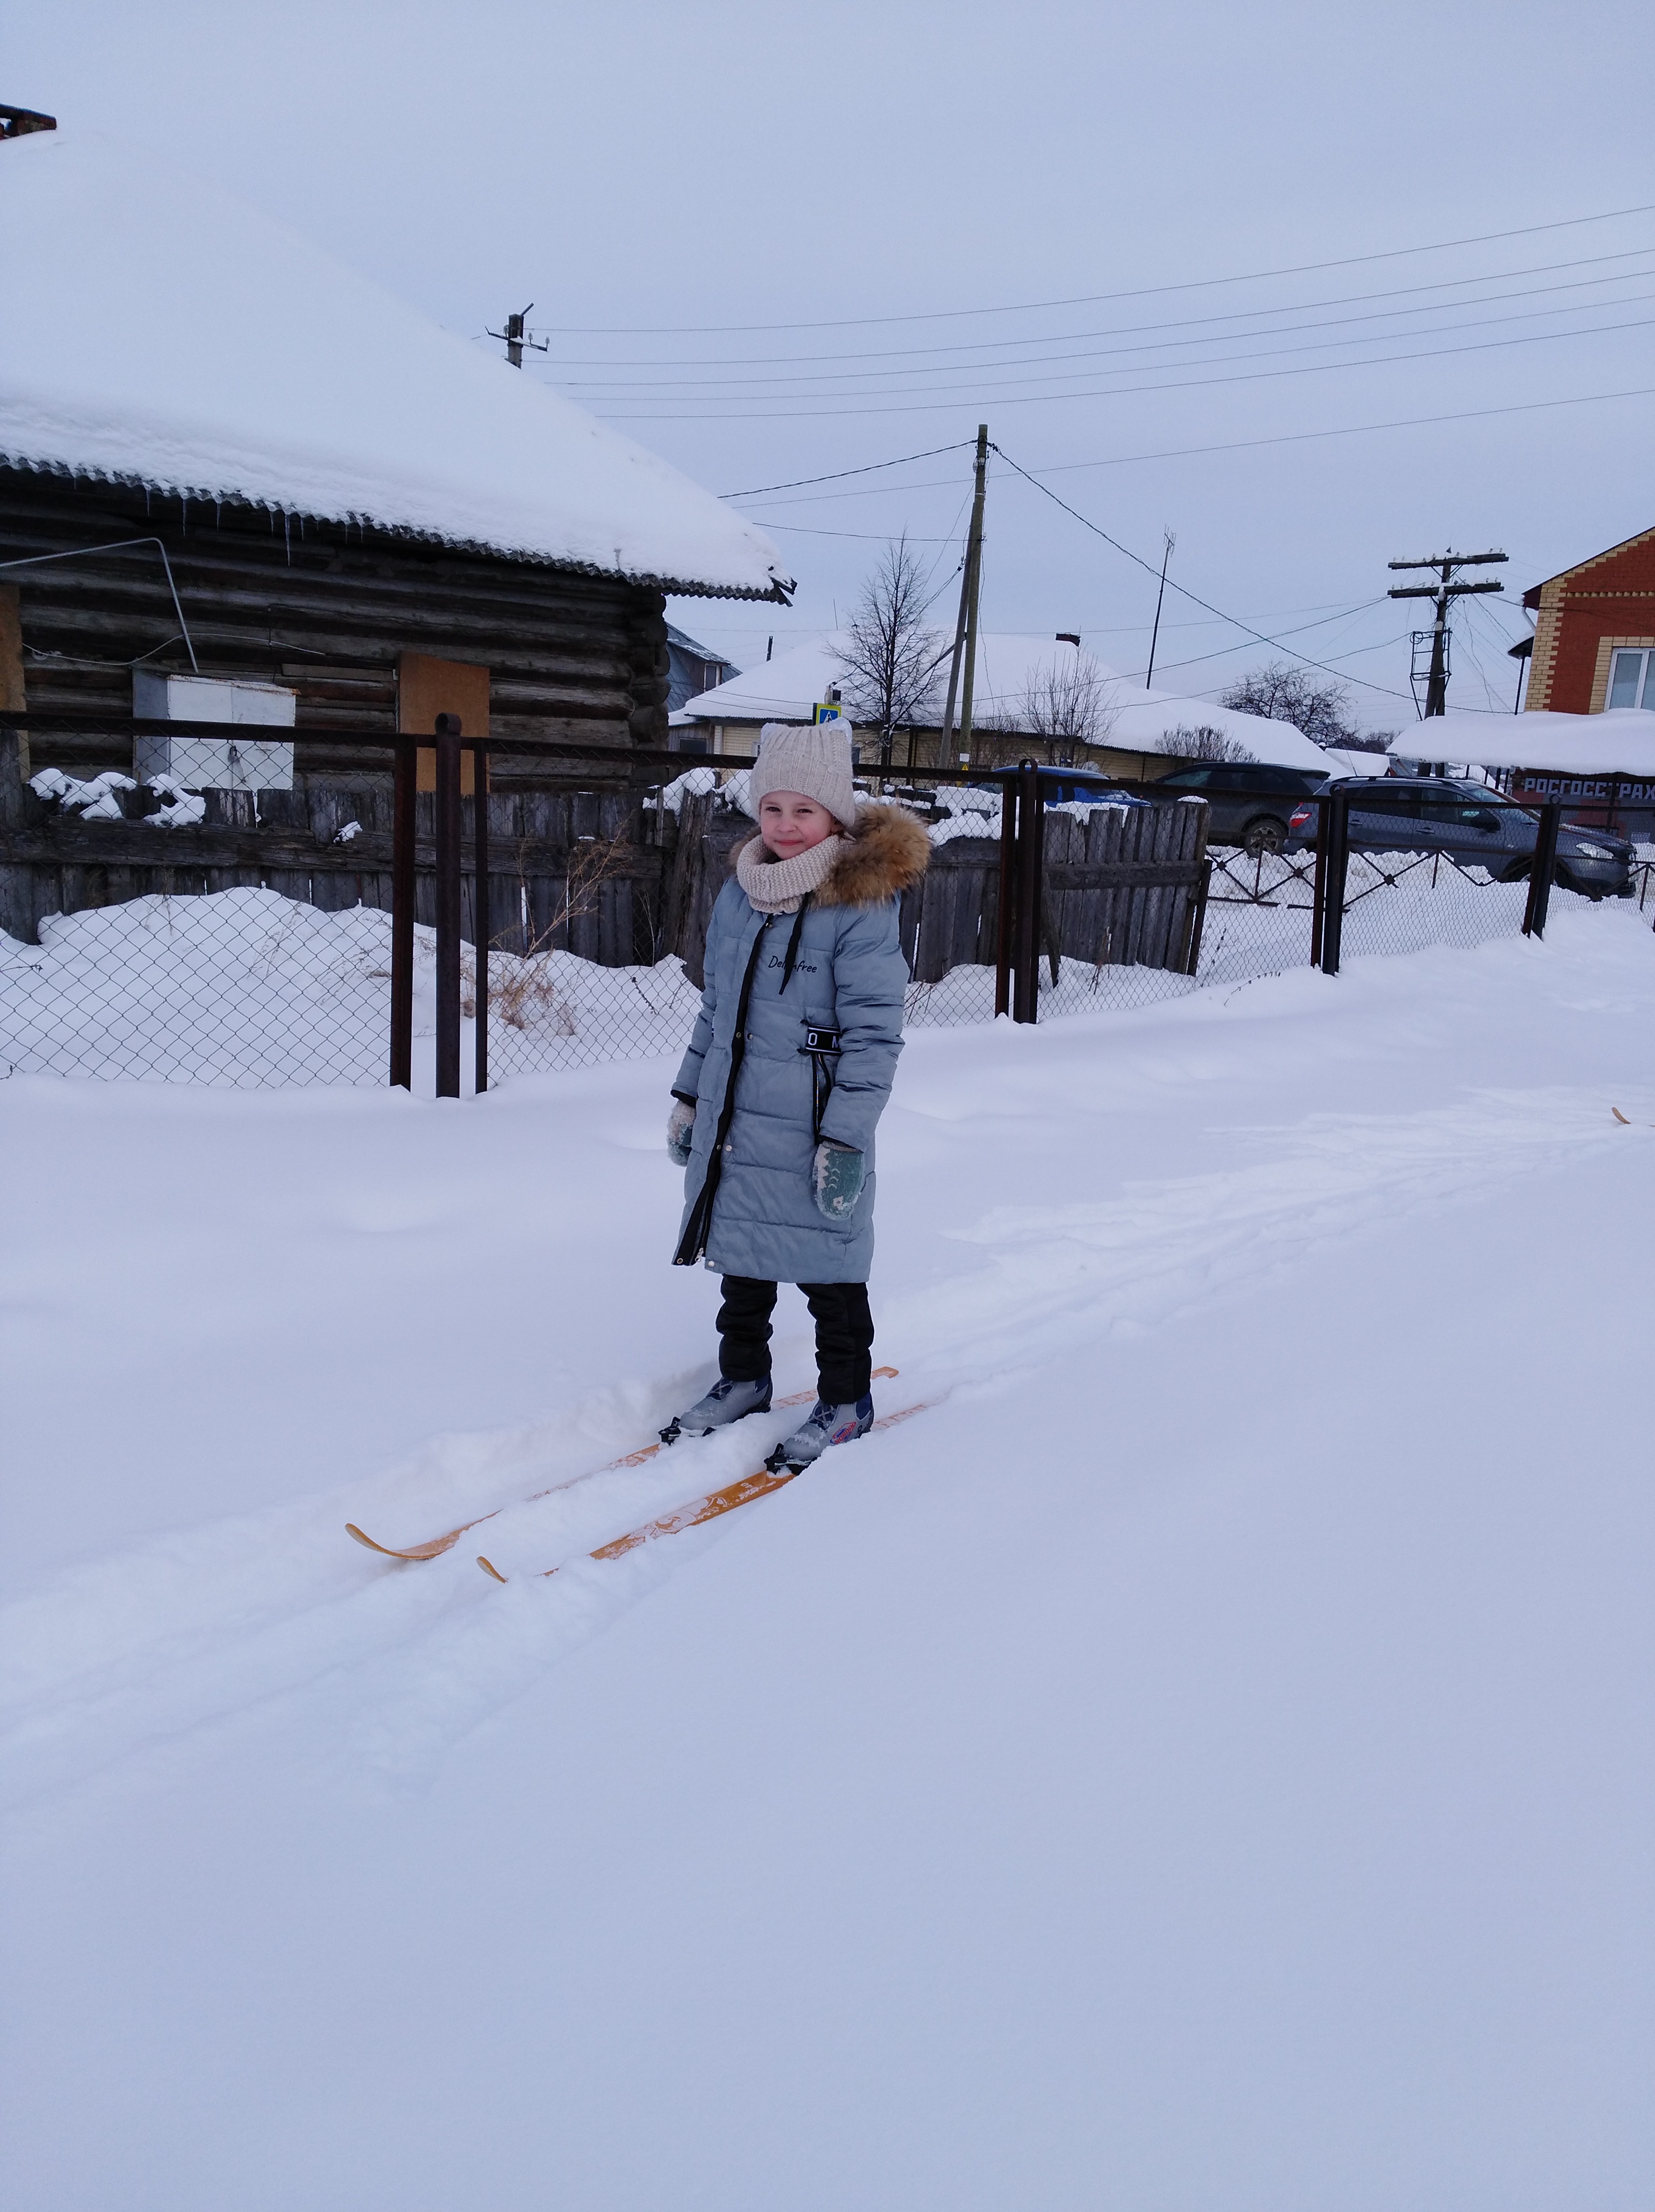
(1620, 1117)
(488, 1568)
(351, 1529)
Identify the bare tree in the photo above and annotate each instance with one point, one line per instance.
(1282, 693)
(1068, 702)
(889, 659)
(1204, 743)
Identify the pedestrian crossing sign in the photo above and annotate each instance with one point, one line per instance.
(827, 710)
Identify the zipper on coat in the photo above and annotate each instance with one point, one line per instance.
(692, 1245)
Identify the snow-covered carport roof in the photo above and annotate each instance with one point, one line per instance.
(160, 332)
(1621, 742)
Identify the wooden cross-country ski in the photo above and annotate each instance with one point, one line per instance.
(759, 1484)
(434, 1547)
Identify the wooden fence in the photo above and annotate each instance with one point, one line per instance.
(1121, 887)
(604, 875)
(581, 872)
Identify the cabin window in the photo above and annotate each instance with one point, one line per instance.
(1632, 680)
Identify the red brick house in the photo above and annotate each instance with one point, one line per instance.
(1594, 643)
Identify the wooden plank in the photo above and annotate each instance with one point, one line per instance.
(68, 840)
(428, 687)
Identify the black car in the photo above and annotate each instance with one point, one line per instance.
(1470, 825)
(1251, 804)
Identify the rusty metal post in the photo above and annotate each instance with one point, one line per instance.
(1542, 869)
(1031, 839)
(448, 905)
(403, 878)
(481, 931)
(1007, 918)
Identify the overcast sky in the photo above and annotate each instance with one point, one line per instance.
(777, 241)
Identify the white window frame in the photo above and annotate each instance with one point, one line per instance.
(1645, 686)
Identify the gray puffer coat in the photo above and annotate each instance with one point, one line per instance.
(797, 1039)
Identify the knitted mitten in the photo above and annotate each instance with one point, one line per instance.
(837, 1178)
(680, 1130)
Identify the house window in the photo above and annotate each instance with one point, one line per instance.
(1632, 680)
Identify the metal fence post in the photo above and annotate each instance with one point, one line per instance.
(403, 880)
(480, 931)
(1006, 918)
(1542, 869)
(447, 906)
(1031, 839)
(1192, 958)
(1337, 833)
(1319, 882)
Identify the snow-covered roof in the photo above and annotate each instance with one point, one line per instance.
(1621, 742)
(159, 331)
(783, 689)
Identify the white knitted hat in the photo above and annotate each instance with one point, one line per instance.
(813, 758)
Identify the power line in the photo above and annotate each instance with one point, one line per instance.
(1379, 645)
(1184, 589)
(1184, 322)
(1354, 429)
(712, 387)
(746, 413)
(866, 468)
(1342, 614)
(806, 529)
(1098, 298)
(1245, 445)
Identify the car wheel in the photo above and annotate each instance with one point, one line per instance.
(1263, 834)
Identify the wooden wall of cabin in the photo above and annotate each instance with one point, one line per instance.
(327, 609)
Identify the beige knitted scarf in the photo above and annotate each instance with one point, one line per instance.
(783, 886)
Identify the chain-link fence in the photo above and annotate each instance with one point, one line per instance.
(249, 939)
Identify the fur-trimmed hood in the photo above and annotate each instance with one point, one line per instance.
(889, 852)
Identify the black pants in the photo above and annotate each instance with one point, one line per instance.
(845, 1335)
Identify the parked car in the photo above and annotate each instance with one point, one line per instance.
(1472, 825)
(1251, 804)
(1086, 793)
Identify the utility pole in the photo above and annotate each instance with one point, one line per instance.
(965, 628)
(1444, 591)
(1154, 634)
(515, 337)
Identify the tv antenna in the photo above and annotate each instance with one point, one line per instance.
(515, 337)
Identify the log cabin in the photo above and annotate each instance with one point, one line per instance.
(223, 454)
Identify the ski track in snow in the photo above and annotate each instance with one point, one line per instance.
(228, 1625)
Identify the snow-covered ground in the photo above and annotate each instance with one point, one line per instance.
(1200, 1761)
(249, 987)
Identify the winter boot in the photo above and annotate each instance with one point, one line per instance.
(724, 1402)
(825, 1426)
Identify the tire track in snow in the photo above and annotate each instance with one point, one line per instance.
(214, 1627)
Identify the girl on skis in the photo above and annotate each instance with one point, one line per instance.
(786, 1073)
